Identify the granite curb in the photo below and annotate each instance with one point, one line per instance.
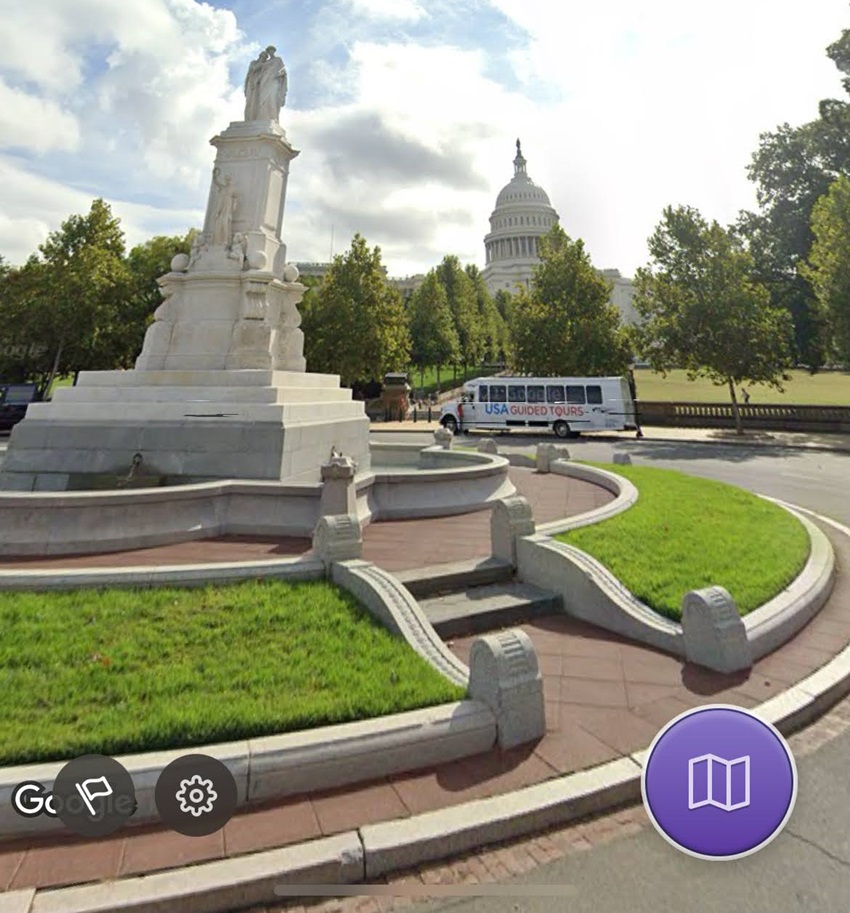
(378, 849)
(648, 438)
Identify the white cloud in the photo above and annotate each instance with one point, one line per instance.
(34, 206)
(411, 94)
(30, 122)
(663, 103)
(635, 106)
(407, 10)
(159, 81)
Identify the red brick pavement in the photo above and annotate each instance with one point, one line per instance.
(395, 545)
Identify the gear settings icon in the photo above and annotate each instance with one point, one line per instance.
(196, 796)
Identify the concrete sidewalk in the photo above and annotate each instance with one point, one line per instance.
(839, 443)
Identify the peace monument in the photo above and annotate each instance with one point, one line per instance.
(220, 389)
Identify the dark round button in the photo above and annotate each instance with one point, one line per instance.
(94, 795)
(196, 795)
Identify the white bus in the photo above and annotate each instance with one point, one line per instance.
(567, 405)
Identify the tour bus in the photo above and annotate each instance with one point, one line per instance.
(567, 405)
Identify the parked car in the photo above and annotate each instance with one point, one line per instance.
(14, 399)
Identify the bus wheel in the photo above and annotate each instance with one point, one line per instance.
(450, 424)
(561, 429)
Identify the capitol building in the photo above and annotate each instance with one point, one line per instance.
(522, 215)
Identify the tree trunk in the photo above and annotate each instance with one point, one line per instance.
(739, 425)
(53, 370)
(438, 378)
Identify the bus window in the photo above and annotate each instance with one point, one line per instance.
(516, 393)
(498, 394)
(536, 394)
(482, 394)
(594, 395)
(554, 394)
(575, 395)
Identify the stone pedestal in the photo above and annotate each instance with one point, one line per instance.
(188, 426)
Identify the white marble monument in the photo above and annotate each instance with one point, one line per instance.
(220, 388)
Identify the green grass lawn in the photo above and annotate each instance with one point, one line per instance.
(115, 671)
(448, 378)
(829, 388)
(685, 533)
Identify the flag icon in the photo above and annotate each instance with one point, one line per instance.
(89, 790)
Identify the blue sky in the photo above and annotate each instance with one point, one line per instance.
(405, 112)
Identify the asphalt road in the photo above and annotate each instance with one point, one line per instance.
(818, 480)
(807, 868)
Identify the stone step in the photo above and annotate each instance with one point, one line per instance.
(486, 608)
(447, 578)
(163, 394)
(71, 410)
(202, 378)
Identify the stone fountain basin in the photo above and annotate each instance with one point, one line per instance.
(407, 482)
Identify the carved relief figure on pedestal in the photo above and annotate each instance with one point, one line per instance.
(239, 248)
(225, 207)
(199, 245)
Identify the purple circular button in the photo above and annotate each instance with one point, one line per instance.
(718, 782)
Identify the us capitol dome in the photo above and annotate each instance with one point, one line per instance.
(522, 215)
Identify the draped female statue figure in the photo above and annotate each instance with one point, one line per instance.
(252, 85)
(272, 84)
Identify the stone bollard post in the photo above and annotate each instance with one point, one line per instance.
(338, 493)
(487, 445)
(547, 454)
(337, 538)
(622, 459)
(443, 438)
(504, 674)
(509, 519)
(715, 634)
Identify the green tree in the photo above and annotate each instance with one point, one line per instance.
(146, 263)
(565, 324)
(703, 310)
(493, 329)
(85, 280)
(460, 293)
(432, 331)
(792, 169)
(24, 356)
(828, 268)
(355, 324)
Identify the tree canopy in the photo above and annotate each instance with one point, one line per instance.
(432, 331)
(565, 324)
(828, 268)
(703, 310)
(792, 169)
(81, 302)
(354, 322)
(463, 304)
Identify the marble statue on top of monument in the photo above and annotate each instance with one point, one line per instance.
(265, 86)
